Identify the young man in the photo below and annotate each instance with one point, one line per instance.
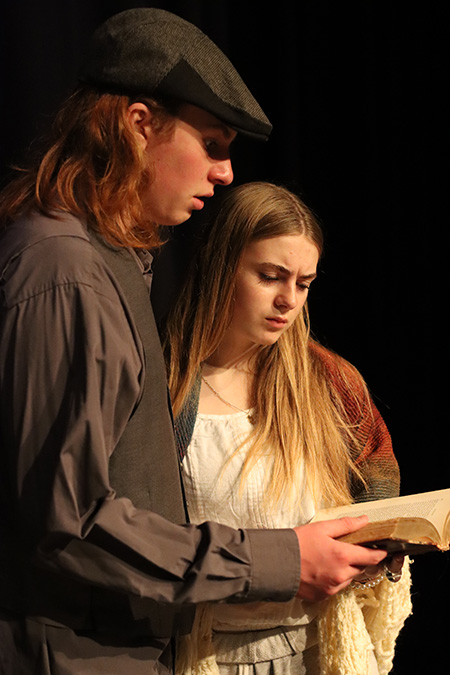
(98, 568)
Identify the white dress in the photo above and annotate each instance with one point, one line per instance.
(256, 637)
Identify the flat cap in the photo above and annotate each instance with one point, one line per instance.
(154, 52)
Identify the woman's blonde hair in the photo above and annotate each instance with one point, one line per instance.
(93, 167)
(299, 416)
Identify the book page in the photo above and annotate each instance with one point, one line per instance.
(434, 506)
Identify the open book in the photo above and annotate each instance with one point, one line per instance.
(411, 524)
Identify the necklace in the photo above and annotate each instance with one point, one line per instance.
(231, 405)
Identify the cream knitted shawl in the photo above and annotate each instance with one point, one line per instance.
(350, 626)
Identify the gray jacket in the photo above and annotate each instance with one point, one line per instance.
(92, 523)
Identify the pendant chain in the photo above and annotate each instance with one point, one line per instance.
(216, 393)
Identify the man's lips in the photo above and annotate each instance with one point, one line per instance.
(199, 201)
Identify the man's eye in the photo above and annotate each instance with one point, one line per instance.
(216, 149)
(211, 145)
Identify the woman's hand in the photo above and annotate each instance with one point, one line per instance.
(391, 567)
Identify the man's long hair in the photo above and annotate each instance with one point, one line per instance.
(93, 167)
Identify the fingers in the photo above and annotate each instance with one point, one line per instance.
(365, 557)
(395, 562)
(327, 565)
(340, 526)
(369, 573)
(373, 570)
(393, 567)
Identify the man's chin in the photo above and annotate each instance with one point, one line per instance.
(176, 220)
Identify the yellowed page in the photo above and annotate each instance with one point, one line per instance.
(434, 506)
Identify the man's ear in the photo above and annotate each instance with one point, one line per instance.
(139, 118)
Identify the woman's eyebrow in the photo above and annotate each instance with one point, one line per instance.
(274, 266)
(286, 271)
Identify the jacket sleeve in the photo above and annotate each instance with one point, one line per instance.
(70, 376)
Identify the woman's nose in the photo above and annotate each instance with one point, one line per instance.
(287, 298)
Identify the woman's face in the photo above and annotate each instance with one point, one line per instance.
(272, 284)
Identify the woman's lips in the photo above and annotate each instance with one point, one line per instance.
(277, 321)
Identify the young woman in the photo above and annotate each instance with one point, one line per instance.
(271, 427)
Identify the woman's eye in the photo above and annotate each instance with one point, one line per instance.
(267, 278)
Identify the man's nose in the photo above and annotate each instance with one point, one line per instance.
(222, 172)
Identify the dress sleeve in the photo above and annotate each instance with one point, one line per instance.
(374, 456)
(376, 460)
(70, 376)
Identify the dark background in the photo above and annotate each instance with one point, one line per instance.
(357, 94)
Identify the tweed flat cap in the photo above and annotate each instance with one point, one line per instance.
(152, 51)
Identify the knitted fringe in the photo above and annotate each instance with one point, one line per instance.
(356, 622)
(353, 624)
(195, 652)
(385, 624)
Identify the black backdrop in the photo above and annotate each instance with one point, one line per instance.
(356, 92)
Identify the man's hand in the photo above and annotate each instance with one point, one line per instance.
(327, 565)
